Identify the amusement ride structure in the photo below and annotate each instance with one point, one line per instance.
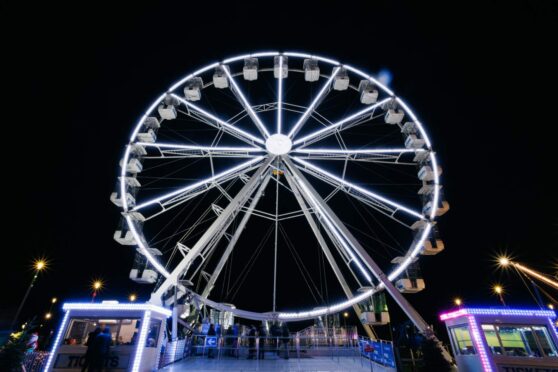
(289, 143)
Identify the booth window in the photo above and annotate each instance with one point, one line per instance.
(545, 341)
(123, 331)
(462, 339)
(492, 339)
(519, 340)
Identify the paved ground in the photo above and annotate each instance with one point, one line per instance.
(315, 364)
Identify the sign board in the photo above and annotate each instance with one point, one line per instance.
(76, 361)
(211, 341)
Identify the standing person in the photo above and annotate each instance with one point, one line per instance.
(211, 333)
(235, 329)
(89, 343)
(262, 336)
(285, 338)
(252, 342)
(100, 350)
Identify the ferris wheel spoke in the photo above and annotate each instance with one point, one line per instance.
(171, 151)
(181, 195)
(315, 103)
(242, 99)
(220, 124)
(378, 202)
(353, 243)
(280, 95)
(340, 125)
(387, 155)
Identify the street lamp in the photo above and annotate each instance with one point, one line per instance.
(39, 265)
(345, 316)
(96, 285)
(133, 297)
(499, 290)
(48, 316)
(457, 301)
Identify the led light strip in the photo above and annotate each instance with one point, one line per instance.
(198, 184)
(313, 104)
(57, 340)
(489, 311)
(336, 125)
(479, 344)
(280, 95)
(198, 148)
(247, 105)
(358, 188)
(215, 118)
(141, 341)
(139, 307)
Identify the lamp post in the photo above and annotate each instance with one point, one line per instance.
(499, 290)
(39, 265)
(458, 302)
(97, 285)
(133, 297)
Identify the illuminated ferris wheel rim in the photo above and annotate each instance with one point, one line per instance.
(263, 143)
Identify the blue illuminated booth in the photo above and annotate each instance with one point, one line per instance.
(137, 332)
(503, 339)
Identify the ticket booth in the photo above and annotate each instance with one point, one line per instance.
(503, 339)
(136, 330)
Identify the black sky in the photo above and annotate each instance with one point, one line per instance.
(482, 77)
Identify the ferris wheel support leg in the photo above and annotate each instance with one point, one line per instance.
(413, 315)
(214, 232)
(326, 250)
(235, 237)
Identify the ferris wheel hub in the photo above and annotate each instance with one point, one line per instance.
(278, 144)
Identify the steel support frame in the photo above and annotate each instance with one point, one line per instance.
(213, 233)
(326, 250)
(234, 238)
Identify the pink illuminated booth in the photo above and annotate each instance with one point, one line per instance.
(503, 339)
(137, 332)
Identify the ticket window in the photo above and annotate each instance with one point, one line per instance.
(124, 331)
(461, 338)
(519, 340)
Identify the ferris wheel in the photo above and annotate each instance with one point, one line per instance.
(290, 155)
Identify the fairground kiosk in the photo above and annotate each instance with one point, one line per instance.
(137, 332)
(503, 339)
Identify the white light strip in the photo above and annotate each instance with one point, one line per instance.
(332, 127)
(254, 55)
(199, 148)
(56, 343)
(221, 122)
(358, 188)
(310, 108)
(280, 95)
(362, 151)
(127, 306)
(245, 102)
(198, 184)
(305, 55)
(141, 341)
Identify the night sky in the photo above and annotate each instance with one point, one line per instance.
(482, 78)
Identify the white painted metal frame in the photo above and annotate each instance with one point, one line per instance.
(258, 159)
